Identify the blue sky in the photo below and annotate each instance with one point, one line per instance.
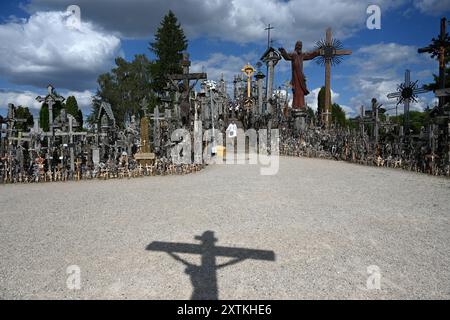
(37, 47)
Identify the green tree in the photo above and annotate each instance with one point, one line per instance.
(321, 103)
(24, 113)
(73, 109)
(43, 118)
(124, 88)
(44, 114)
(168, 47)
(338, 115)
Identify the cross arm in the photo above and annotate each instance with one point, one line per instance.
(394, 95)
(343, 52)
(420, 90)
(284, 54)
(190, 76)
(425, 50)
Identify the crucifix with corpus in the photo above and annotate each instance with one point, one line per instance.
(185, 89)
(439, 49)
(330, 53)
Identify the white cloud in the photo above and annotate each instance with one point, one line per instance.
(381, 68)
(219, 64)
(313, 97)
(43, 49)
(25, 98)
(28, 99)
(241, 21)
(433, 7)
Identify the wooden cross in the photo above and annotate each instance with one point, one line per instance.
(186, 77)
(204, 276)
(330, 53)
(144, 105)
(406, 93)
(438, 49)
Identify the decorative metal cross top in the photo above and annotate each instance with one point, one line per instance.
(438, 49)
(268, 28)
(330, 52)
(204, 277)
(51, 99)
(406, 93)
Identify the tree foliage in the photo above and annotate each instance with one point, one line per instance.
(24, 113)
(124, 88)
(168, 47)
(338, 115)
(73, 109)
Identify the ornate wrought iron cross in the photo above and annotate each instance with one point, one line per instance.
(406, 93)
(331, 52)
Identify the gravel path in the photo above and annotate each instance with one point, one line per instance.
(326, 223)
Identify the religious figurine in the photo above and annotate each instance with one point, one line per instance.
(298, 81)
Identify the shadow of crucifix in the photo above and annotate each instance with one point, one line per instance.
(204, 276)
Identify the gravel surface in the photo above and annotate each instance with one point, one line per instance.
(326, 223)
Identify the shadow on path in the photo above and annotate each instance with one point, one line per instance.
(204, 277)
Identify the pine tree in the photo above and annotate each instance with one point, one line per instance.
(43, 118)
(170, 42)
(320, 103)
(73, 109)
(338, 115)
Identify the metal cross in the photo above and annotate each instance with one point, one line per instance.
(268, 28)
(406, 93)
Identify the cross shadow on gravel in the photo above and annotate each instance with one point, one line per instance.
(204, 276)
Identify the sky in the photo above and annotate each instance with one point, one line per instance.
(41, 43)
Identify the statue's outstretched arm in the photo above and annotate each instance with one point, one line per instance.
(311, 55)
(284, 54)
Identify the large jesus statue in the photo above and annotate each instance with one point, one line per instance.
(298, 81)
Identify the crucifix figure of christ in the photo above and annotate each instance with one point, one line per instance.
(298, 81)
(204, 277)
(184, 88)
(438, 49)
(330, 53)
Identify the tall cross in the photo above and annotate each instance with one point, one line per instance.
(268, 28)
(438, 49)
(204, 276)
(406, 93)
(156, 127)
(186, 77)
(71, 134)
(144, 105)
(51, 99)
(330, 54)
